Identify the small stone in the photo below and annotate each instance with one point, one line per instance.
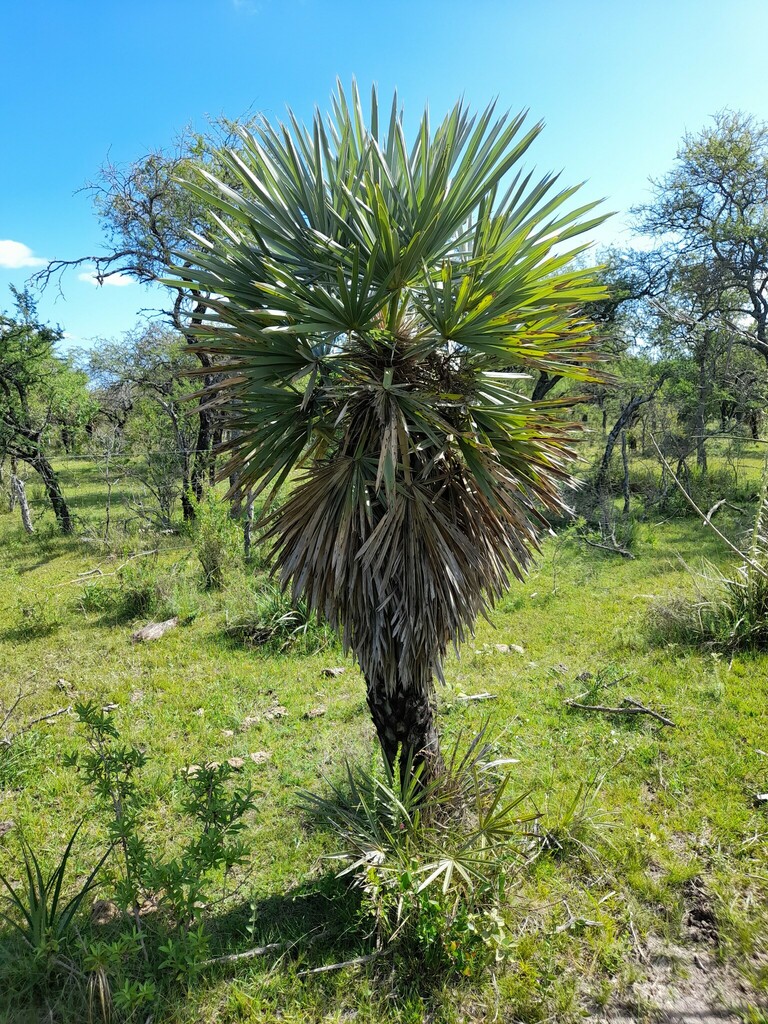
(517, 648)
(761, 798)
(200, 712)
(238, 763)
(136, 696)
(104, 912)
(62, 684)
(110, 707)
(151, 905)
(192, 770)
(154, 630)
(212, 765)
(331, 673)
(502, 648)
(276, 712)
(249, 722)
(228, 732)
(260, 756)
(317, 712)
(5, 827)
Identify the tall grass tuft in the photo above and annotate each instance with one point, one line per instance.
(730, 610)
(432, 859)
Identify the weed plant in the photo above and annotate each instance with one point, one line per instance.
(216, 537)
(434, 860)
(730, 609)
(259, 613)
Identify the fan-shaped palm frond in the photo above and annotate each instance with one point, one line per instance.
(374, 306)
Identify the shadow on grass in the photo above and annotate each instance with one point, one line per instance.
(316, 921)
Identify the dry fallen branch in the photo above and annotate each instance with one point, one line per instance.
(7, 712)
(630, 706)
(577, 922)
(249, 954)
(344, 963)
(82, 576)
(614, 549)
(43, 718)
(271, 947)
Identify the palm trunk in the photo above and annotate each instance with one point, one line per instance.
(405, 725)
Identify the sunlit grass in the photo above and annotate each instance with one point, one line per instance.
(679, 801)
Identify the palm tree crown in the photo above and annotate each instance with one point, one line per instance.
(373, 306)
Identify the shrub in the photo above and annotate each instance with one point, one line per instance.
(38, 617)
(141, 589)
(216, 538)
(729, 610)
(432, 859)
(261, 614)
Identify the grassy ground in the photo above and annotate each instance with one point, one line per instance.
(659, 825)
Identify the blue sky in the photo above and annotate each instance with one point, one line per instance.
(617, 83)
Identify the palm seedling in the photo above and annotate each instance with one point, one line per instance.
(44, 917)
(372, 306)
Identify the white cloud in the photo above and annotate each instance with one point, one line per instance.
(116, 280)
(14, 255)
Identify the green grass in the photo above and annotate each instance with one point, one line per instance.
(672, 803)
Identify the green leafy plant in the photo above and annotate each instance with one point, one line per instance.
(214, 812)
(215, 536)
(573, 823)
(104, 966)
(267, 617)
(432, 859)
(44, 917)
(111, 768)
(217, 813)
(730, 609)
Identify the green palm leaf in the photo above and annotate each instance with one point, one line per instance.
(373, 308)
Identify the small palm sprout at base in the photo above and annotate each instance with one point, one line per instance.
(374, 305)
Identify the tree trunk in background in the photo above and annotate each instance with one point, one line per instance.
(52, 488)
(12, 493)
(405, 723)
(544, 385)
(17, 489)
(702, 399)
(625, 420)
(754, 424)
(625, 463)
(201, 464)
(248, 526)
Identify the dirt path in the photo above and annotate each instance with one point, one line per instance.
(685, 983)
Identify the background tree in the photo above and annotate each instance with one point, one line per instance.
(147, 373)
(370, 300)
(147, 217)
(711, 212)
(38, 392)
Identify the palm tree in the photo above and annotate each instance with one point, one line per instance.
(374, 306)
